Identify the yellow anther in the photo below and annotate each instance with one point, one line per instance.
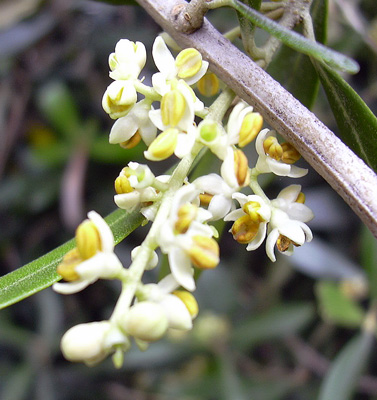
(189, 301)
(251, 125)
(188, 63)
(245, 229)
(66, 269)
(186, 214)
(251, 208)
(88, 240)
(272, 148)
(122, 185)
(209, 84)
(173, 105)
(241, 168)
(290, 154)
(205, 199)
(132, 142)
(300, 198)
(204, 253)
(283, 243)
(164, 145)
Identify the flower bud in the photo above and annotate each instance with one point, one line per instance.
(122, 185)
(66, 269)
(209, 84)
(290, 154)
(209, 131)
(244, 229)
(85, 342)
(188, 63)
(241, 168)
(119, 98)
(272, 148)
(204, 252)
(163, 146)
(173, 105)
(251, 125)
(189, 301)
(88, 239)
(146, 321)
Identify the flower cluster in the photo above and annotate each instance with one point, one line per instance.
(181, 211)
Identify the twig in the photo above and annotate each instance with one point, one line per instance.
(327, 154)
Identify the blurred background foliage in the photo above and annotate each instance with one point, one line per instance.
(289, 330)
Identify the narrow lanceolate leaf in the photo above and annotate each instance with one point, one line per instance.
(356, 122)
(41, 273)
(294, 70)
(342, 378)
(296, 41)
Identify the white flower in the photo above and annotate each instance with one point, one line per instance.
(128, 60)
(136, 121)
(103, 264)
(266, 163)
(287, 226)
(251, 220)
(178, 236)
(188, 66)
(119, 98)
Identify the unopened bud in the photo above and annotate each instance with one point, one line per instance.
(251, 125)
(272, 148)
(146, 321)
(122, 185)
(189, 301)
(241, 168)
(163, 146)
(88, 239)
(188, 63)
(209, 131)
(290, 154)
(205, 252)
(66, 269)
(209, 85)
(244, 229)
(173, 105)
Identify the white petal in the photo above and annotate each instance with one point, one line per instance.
(234, 215)
(292, 230)
(72, 287)
(212, 184)
(185, 143)
(260, 139)
(156, 118)
(106, 235)
(199, 74)
(219, 206)
(297, 172)
(257, 241)
(278, 168)
(300, 212)
(178, 315)
(127, 201)
(102, 265)
(290, 193)
(180, 266)
(270, 244)
(227, 169)
(163, 59)
(160, 85)
(123, 129)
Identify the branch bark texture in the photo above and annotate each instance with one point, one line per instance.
(322, 149)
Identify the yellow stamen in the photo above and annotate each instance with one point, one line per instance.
(205, 199)
(189, 301)
(132, 142)
(251, 125)
(244, 229)
(241, 168)
(300, 198)
(188, 63)
(290, 154)
(66, 269)
(204, 253)
(209, 84)
(173, 105)
(283, 243)
(122, 185)
(272, 148)
(186, 214)
(164, 145)
(88, 240)
(252, 209)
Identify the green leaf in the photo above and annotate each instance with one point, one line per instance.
(41, 273)
(346, 369)
(369, 259)
(294, 70)
(356, 122)
(273, 324)
(336, 307)
(296, 41)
